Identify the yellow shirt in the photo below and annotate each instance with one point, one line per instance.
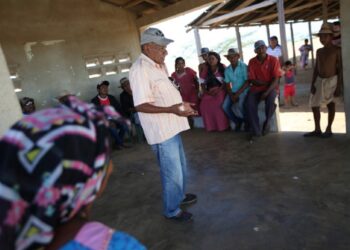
(150, 84)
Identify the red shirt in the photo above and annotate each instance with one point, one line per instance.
(265, 71)
(104, 101)
(188, 85)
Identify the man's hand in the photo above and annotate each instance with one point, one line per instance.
(184, 109)
(264, 95)
(235, 98)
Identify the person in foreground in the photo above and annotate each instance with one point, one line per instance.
(329, 68)
(163, 116)
(53, 165)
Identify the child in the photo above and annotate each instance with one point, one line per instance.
(329, 68)
(304, 53)
(289, 84)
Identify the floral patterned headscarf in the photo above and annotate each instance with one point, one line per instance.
(52, 165)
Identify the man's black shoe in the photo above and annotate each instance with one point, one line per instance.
(183, 216)
(189, 199)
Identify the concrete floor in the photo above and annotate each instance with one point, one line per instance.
(281, 192)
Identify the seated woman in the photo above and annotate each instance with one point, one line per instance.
(213, 87)
(53, 165)
(186, 79)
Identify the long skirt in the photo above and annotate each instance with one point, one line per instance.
(213, 115)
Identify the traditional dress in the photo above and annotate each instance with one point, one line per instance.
(213, 115)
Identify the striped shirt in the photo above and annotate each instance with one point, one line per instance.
(150, 84)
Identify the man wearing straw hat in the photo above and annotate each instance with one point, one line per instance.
(329, 68)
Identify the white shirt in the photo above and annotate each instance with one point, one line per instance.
(276, 52)
(150, 84)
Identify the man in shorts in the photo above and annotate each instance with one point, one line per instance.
(329, 68)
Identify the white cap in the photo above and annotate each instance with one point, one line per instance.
(153, 35)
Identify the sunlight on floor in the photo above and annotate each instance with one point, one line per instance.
(303, 121)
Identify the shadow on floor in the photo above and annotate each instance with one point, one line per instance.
(281, 192)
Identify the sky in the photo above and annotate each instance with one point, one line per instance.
(220, 40)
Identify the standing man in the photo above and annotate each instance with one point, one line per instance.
(329, 68)
(263, 75)
(163, 116)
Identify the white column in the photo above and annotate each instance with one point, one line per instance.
(10, 110)
(345, 41)
(239, 42)
(312, 45)
(281, 21)
(293, 44)
(197, 38)
(268, 32)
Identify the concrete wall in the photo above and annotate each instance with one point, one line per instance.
(345, 34)
(8, 98)
(48, 40)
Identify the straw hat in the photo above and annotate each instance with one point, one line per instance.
(232, 51)
(326, 28)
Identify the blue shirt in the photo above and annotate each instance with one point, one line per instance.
(236, 76)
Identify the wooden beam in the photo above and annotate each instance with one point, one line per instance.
(132, 3)
(286, 12)
(240, 12)
(157, 3)
(171, 11)
(258, 12)
(112, 3)
(241, 6)
(212, 12)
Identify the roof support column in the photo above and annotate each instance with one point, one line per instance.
(325, 10)
(239, 42)
(197, 38)
(268, 32)
(281, 21)
(293, 44)
(10, 110)
(312, 45)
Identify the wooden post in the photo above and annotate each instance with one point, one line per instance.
(197, 38)
(239, 42)
(293, 44)
(281, 21)
(325, 10)
(312, 45)
(268, 32)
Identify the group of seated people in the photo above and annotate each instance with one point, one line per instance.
(223, 94)
(120, 129)
(220, 95)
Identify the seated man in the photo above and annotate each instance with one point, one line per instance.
(235, 78)
(103, 98)
(128, 108)
(263, 75)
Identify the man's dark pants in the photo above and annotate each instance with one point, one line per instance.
(252, 102)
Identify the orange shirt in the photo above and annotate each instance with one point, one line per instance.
(265, 71)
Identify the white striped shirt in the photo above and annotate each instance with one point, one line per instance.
(150, 84)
